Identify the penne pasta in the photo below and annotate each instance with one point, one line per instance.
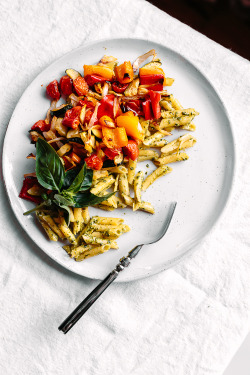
(159, 172)
(180, 156)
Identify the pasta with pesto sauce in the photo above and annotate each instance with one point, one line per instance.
(115, 117)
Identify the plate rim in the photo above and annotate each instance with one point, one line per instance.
(191, 246)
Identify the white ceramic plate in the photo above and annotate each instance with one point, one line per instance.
(201, 185)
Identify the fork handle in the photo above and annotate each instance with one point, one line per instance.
(80, 310)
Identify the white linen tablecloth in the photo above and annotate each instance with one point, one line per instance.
(189, 320)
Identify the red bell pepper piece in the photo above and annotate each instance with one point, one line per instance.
(92, 79)
(53, 90)
(80, 86)
(71, 118)
(41, 126)
(147, 110)
(134, 106)
(66, 85)
(150, 79)
(106, 107)
(94, 162)
(156, 87)
(111, 153)
(155, 98)
(28, 183)
(119, 87)
(131, 150)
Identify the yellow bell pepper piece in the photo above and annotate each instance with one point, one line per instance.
(132, 126)
(102, 71)
(114, 138)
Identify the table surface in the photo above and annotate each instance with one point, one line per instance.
(225, 22)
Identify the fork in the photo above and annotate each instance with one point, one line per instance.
(80, 310)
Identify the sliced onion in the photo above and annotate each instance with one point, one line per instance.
(74, 100)
(56, 139)
(49, 135)
(142, 58)
(115, 106)
(94, 116)
(52, 106)
(105, 89)
(31, 156)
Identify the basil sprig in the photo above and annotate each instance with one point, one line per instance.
(69, 189)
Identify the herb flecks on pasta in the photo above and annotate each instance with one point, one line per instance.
(89, 149)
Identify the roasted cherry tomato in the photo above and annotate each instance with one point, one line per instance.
(131, 150)
(119, 87)
(53, 90)
(94, 162)
(89, 102)
(111, 153)
(88, 117)
(71, 118)
(80, 86)
(41, 125)
(66, 85)
(92, 79)
(28, 183)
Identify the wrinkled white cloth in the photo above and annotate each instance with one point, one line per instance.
(188, 320)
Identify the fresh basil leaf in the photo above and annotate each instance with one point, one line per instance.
(87, 182)
(66, 210)
(89, 199)
(66, 201)
(49, 168)
(76, 184)
(71, 175)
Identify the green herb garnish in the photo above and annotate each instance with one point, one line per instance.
(68, 189)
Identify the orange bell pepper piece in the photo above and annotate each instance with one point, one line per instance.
(103, 71)
(114, 138)
(132, 126)
(129, 113)
(124, 72)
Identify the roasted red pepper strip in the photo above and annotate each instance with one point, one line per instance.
(147, 109)
(156, 87)
(71, 118)
(53, 90)
(66, 85)
(119, 87)
(131, 150)
(92, 79)
(155, 98)
(41, 125)
(134, 106)
(149, 79)
(111, 153)
(28, 183)
(94, 162)
(106, 107)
